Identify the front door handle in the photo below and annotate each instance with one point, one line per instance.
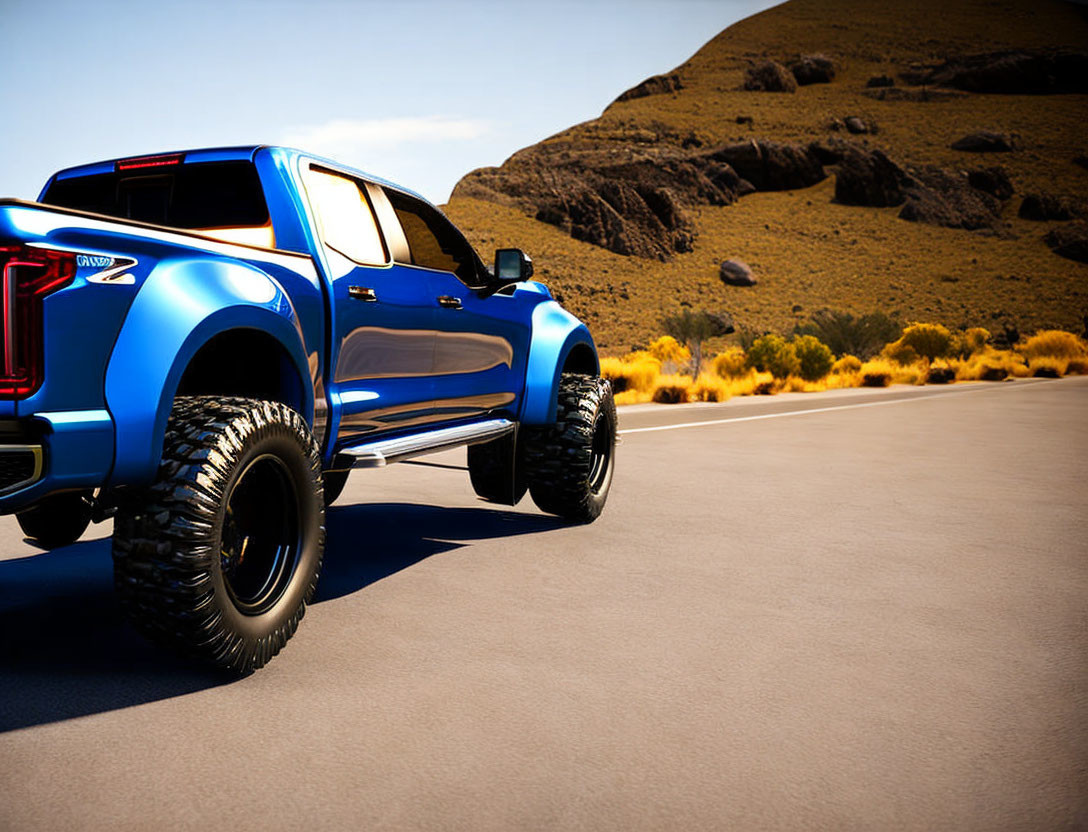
(362, 293)
(449, 302)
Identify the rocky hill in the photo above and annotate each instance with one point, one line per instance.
(928, 159)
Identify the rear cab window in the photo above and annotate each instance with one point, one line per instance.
(222, 200)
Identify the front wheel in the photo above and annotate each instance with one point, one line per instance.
(569, 465)
(219, 557)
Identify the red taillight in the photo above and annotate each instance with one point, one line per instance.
(150, 161)
(29, 274)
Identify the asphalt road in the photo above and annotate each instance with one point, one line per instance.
(872, 615)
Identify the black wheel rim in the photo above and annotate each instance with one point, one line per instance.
(600, 468)
(260, 541)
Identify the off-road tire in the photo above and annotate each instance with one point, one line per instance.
(569, 465)
(57, 520)
(233, 471)
(334, 485)
(495, 471)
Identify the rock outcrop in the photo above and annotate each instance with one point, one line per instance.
(1070, 241)
(654, 85)
(813, 69)
(984, 141)
(1043, 207)
(1012, 72)
(769, 76)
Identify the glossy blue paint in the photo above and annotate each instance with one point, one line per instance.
(115, 352)
(182, 306)
(555, 333)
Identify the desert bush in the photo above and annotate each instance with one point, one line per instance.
(766, 387)
(923, 341)
(730, 364)
(844, 334)
(846, 364)
(992, 365)
(635, 372)
(746, 337)
(1047, 366)
(940, 372)
(1077, 367)
(771, 354)
(668, 349)
(747, 384)
(691, 328)
(967, 343)
(876, 373)
(910, 373)
(672, 389)
(814, 356)
(843, 380)
(710, 388)
(1053, 343)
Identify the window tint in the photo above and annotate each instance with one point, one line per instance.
(344, 217)
(202, 195)
(433, 241)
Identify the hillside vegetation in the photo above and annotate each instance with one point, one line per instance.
(844, 193)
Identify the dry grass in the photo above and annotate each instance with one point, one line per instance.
(991, 365)
(672, 389)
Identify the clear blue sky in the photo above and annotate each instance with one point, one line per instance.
(418, 91)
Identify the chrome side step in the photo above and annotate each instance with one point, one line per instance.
(382, 452)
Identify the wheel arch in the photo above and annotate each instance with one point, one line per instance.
(560, 343)
(178, 338)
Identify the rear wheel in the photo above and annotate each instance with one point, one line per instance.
(569, 465)
(219, 557)
(57, 520)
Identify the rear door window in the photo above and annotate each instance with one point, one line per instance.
(345, 219)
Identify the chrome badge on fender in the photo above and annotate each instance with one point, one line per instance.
(107, 269)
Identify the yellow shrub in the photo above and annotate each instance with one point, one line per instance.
(900, 352)
(667, 348)
(846, 364)
(1077, 366)
(637, 371)
(910, 374)
(1054, 343)
(940, 372)
(847, 378)
(750, 384)
(1048, 366)
(992, 365)
(877, 373)
(710, 388)
(672, 389)
(972, 340)
(730, 364)
(632, 397)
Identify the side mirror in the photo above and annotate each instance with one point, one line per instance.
(512, 265)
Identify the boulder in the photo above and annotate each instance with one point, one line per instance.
(869, 177)
(770, 166)
(654, 85)
(1042, 207)
(813, 69)
(769, 76)
(880, 81)
(721, 323)
(855, 125)
(736, 273)
(993, 181)
(939, 197)
(984, 141)
(1070, 241)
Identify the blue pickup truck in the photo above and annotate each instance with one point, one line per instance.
(202, 345)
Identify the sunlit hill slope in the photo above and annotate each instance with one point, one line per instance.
(844, 190)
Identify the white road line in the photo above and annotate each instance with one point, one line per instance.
(810, 410)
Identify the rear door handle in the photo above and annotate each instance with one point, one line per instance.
(362, 293)
(449, 302)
